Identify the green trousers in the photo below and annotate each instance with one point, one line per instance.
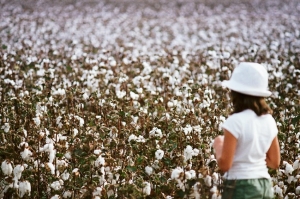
(246, 189)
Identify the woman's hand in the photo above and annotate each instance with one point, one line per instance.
(218, 145)
(225, 149)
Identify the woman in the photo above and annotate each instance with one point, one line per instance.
(250, 142)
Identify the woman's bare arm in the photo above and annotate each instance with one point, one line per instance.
(273, 155)
(225, 150)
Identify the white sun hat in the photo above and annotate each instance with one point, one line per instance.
(250, 79)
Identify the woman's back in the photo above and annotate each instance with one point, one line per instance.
(254, 136)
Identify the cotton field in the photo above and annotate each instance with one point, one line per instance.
(122, 99)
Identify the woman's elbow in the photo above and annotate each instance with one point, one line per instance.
(224, 165)
(273, 164)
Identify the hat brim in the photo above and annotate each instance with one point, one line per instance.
(244, 89)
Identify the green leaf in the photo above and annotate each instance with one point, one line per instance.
(180, 193)
(122, 113)
(4, 46)
(69, 68)
(167, 161)
(59, 155)
(131, 168)
(139, 160)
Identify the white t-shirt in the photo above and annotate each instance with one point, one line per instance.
(254, 136)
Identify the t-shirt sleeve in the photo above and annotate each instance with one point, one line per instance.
(233, 126)
(274, 128)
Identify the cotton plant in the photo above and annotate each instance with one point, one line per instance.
(159, 154)
(17, 173)
(155, 132)
(189, 152)
(24, 188)
(7, 167)
(146, 188)
(68, 84)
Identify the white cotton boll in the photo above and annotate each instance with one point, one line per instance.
(159, 154)
(65, 175)
(68, 155)
(196, 152)
(216, 196)
(100, 161)
(195, 191)
(148, 170)
(140, 139)
(56, 185)
(214, 189)
(147, 188)
(61, 163)
(176, 173)
(81, 121)
(278, 191)
(59, 91)
(75, 171)
(67, 194)
(109, 176)
(180, 185)
(290, 179)
(40, 72)
(37, 121)
(296, 165)
(200, 175)
(97, 191)
(38, 164)
(6, 167)
(288, 168)
(6, 127)
(85, 96)
(120, 94)
(193, 174)
(207, 180)
(188, 153)
(55, 197)
(188, 175)
(97, 152)
(25, 133)
(75, 132)
(168, 116)
(110, 193)
(297, 190)
(41, 134)
(281, 184)
(132, 137)
(52, 154)
(188, 129)
(26, 154)
(280, 172)
(298, 134)
(135, 119)
(18, 171)
(155, 132)
(215, 177)
(51, 168)
(170, 104)
(139, 90)
(24, 188)
(133, 96)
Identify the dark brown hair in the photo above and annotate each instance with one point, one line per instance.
(242, 102)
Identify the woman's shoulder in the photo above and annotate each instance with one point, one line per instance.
(243, 114)
(241, 117)
(249, 115)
